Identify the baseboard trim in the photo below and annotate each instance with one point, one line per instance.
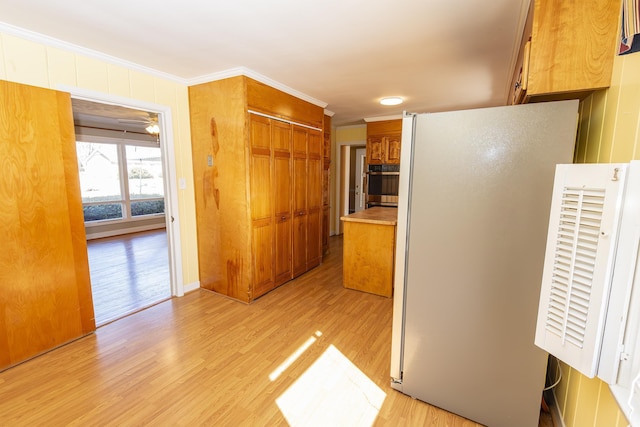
(190, 287)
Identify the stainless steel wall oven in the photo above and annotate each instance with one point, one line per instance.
(382, 185)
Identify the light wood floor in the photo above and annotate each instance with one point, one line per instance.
(128, 273)
(308, 353)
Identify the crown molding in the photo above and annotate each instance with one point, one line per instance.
(329, 113)
(244, 71)
(232, 72)
(53, 42)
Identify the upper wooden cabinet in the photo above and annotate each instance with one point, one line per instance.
(257, 178)
(383, 142)
(567, 50)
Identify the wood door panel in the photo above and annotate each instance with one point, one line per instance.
(46, 295)
(282, 186)
(393, 150)
(283, 250)
(299, 254)
(314, 184)
(260, 187)
(314, 238)
(375, 151)
(262, 257)
(299, 185)
(299, 141)
(280, 136)
(315, 144)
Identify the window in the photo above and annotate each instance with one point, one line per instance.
(120, 181)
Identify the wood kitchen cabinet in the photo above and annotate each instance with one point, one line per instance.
(383, 142)
(567, 50)
(257, 155)
(307, 199)
(369, 250)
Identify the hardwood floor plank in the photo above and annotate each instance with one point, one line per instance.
(204, 359)
(128, 273)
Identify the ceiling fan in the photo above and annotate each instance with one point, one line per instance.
(150, 123)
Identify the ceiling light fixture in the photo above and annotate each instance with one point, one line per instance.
(153, 129)
(391, 100)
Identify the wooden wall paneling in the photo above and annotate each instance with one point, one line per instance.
(282, 192)
(45, 299)
(300, 217)
(219, 135)
(266, 99)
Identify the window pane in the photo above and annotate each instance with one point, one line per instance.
(145, 172)
(100, 212)
(147, 207)
(99, 176)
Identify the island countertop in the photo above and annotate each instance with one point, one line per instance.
(375, 215)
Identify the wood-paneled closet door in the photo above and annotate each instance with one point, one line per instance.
(45, 297)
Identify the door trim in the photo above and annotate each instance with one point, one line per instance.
(172, 217)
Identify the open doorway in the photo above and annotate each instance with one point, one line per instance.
(359, 180)
(123, 181)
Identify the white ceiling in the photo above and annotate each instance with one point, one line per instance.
(436, 54)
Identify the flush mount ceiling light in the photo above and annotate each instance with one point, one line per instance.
(391, 100)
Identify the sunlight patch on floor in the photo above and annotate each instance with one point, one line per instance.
(333, 391)
(294, 356)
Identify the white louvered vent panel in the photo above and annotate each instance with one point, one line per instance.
(580, 220)
(577, 273)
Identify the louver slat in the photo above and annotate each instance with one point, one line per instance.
(576, 277)
(581, 262)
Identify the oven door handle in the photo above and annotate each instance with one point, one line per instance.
(383, 173)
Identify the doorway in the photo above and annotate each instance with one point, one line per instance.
(124, 175)
(359, 179)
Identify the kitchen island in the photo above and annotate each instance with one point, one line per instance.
(369, 250)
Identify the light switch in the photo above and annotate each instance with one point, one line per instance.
(209, 160)
(182, 183)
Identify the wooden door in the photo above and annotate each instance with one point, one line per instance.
(45, 297)
(314, 199)
(375, 150)
(261, 205)
(393, 150)
(299, 255)
(281, 144)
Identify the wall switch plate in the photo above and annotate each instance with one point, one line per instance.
(209, 160)
(182, 183)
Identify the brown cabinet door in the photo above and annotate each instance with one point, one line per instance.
(314, 200)
(299, 254)
(375, 150)
(393, 150)
(282, 162)
(45, 296)
(261, 205)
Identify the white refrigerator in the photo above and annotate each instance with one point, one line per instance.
(474, 199)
